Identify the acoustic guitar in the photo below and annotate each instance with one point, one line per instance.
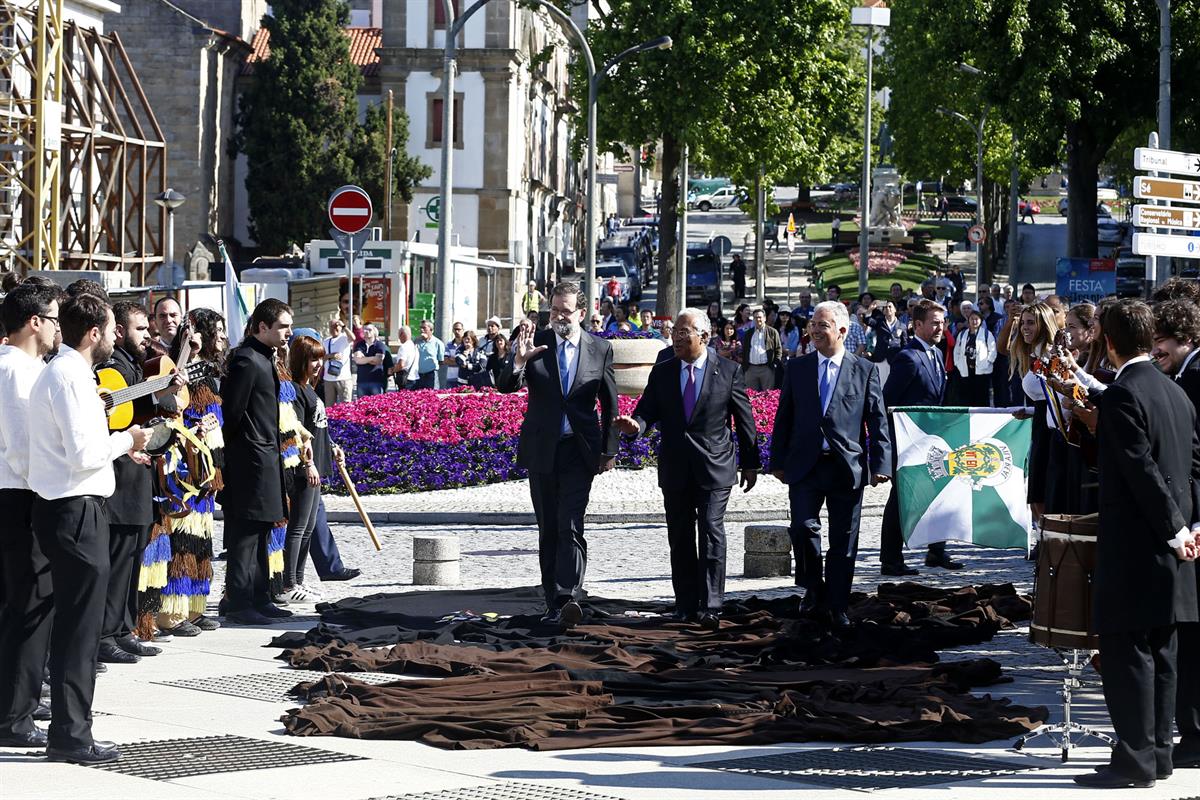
(118, 396)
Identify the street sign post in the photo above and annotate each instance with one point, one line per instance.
(350, 213)
(1147, 188)
(1161, 244)
(1154, 160)
(1183, 219)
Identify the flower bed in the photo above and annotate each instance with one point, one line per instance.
(430, 439)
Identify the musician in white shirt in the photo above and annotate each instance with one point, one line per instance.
(30, 315)
(72, 475)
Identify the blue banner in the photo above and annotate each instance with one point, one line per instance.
(1085, 279)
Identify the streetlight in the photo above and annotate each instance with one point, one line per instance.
(978, 176)
(170, 200)
(871, 17)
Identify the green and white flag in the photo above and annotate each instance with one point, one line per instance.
(961, 476)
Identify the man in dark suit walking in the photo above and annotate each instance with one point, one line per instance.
(692, 398)
(563, 443)
(1149, 461)
(254, 497)
(917, 378)
(830, 440)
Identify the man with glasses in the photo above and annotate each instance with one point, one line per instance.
(563, 443)
(692, 398)
(596, 324)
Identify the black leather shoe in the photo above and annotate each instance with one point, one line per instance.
(132, 644)
(839, 621)
(42, 712)
(347, 574)
(247, 617)
(1108, 779)
(98, 753)
(945, 562)
(810, 604)
(184, 628)
(710, 622)
(570, 614)
(33, 738)
(1185, 762)
(272, 611)
(206, 623)
(897, 570)
(551, 618)
(111, 654)
(683, 616)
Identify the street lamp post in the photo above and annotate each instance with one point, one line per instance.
(170, 200)
(444, 285)
(979, 129)
(870, 17)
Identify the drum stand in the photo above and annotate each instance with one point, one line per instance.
(1061, 733)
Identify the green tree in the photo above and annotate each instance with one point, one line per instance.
(754, 83)
(296, 122)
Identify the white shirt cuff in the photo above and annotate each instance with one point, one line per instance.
(1183, 536)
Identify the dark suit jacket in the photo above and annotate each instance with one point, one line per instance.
(1189, 381)
(914, 379)
(1148, 456)
(133, 501)
(770, 340)
(594, 380)
(699, 452)
(254, 484)
(854, 424)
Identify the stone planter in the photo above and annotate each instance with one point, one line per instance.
(632, 360)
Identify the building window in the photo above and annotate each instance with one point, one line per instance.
(439, 13)
(435, 108)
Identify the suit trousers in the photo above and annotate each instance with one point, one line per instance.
(891, 539)
(246, 568)
(28, 615)
(1139, 689)
(760, 377)
(824, 485)
(73, 533)
(1187, 694)
(696, 536)
(325, 555)
(125, 546)
(560, 500)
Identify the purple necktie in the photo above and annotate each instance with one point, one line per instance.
(689, 393)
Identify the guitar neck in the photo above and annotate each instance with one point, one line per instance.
(142, 389)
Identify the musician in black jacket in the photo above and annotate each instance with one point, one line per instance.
(692, 398)
(254, 496)
(1149, 460)
(131, 508)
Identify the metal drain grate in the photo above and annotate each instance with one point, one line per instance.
(271, 687)
(503, 791)
(183, 758)
(869, 768)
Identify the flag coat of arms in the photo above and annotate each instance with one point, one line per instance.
(960, 476)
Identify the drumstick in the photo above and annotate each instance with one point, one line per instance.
(358, 504)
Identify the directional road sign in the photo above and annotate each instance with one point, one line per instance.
(350, 209)
(622, 167)
(1145, 188)
(1154, 160)
(1187, 219)
(1161, 244)
(351, 244)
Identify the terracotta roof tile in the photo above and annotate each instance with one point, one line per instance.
(363, 43)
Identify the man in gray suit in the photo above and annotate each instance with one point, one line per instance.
(563, 443)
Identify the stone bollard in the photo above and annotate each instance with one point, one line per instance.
(435, 561)
(768, 551)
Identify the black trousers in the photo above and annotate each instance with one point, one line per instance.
(246, 568)
(28, 615)
(125, 546)
(560, 500)
(1187, 693)
(975, 390)
(825, 485)
(73, 533)
(1138, 672)
(891, 540)
(696, 536)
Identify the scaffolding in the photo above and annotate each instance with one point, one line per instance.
(81, 153)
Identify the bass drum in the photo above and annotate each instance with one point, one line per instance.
(1063, 583)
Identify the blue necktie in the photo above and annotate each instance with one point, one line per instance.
(564, 369)
(823, 386)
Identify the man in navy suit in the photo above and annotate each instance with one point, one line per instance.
(830, 439)
(917, 378)
(692, 398)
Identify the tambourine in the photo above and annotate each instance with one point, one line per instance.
(161, 435)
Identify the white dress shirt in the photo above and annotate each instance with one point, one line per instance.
(699, 364)
(18, 372)
(572, 358)
(758, 348)
(69, 432)
(835, 370)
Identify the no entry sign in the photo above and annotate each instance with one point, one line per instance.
(350, 209)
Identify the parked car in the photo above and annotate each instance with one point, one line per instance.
(632, 250)
(608, 270)
(721, 198)
(1033, 206)
(1131, 275)
(1102, 209)
(1109, 231)
(703, 275)
(960, 204)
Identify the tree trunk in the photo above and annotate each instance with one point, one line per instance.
(1083, 166)
(668, 227)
